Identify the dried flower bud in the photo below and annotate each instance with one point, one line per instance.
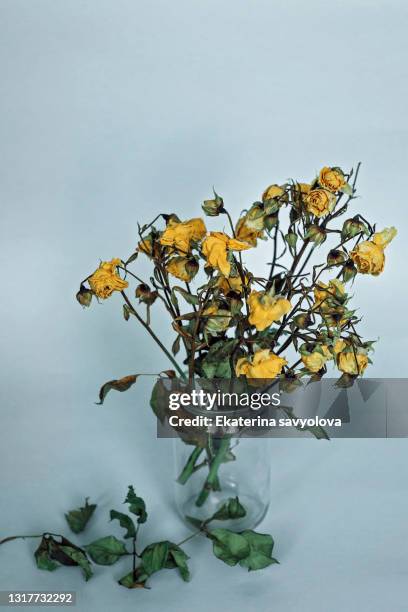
(349, 271)
(235, 303)
(192, 267)
(336, 257)
(145, 294)
(214, 207)
(171, 217)
(289, 382)
(270, 221)
(291, 239)
(303, 320)
(217, 323)
(209, 270)
(352, 227)
(84, 296)
(316, 234)
(336, 317)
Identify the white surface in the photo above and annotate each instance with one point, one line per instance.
(110, 113)
(338, 516)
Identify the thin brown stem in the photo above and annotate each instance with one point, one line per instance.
(153, 335)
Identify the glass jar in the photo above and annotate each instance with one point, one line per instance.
(208, 475)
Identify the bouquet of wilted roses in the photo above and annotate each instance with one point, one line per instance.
(250, 320)
(234, 324)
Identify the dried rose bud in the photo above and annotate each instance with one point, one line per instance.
(316, 234)
(352, 227)
(336, 257)
(214, 207)
(291, 239)
(145, 294)
(84, 296)
(303, 320)
(349, 271)
(235, 302)
(171, 218)
(192, 267)
(270, 221)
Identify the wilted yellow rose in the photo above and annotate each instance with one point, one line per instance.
(215, 249)
(105, 280)
(147, 247)
(368, 257)
(264, 309)
(351, 363)
(264, 364)
(314, 362)
(326, 352)
(248, 234)
(383, 239)
(232, 283)
(331, 179)
(184, 268)
(180, 234)
(304, 188)
(323, 293)
(273, 191)
(218, 319)
(320, 202)
(336, 317)
(339, 346)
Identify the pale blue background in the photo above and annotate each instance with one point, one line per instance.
(113, 111)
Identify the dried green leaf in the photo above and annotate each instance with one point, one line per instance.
(80, 558)
(136, 505)
(176, 345)
(164, 555)
(51, 552)
(231, 509)
(197, 523)
(260, 555)
(316, 430)
(134, 580)
(107, 550)
(125, 521)
(189, 297)
(78, 519)
(121, 384)
(159, 400)
(42, 558)
(228, 546)
(154, 557)
(132, 258)
(178, 558)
